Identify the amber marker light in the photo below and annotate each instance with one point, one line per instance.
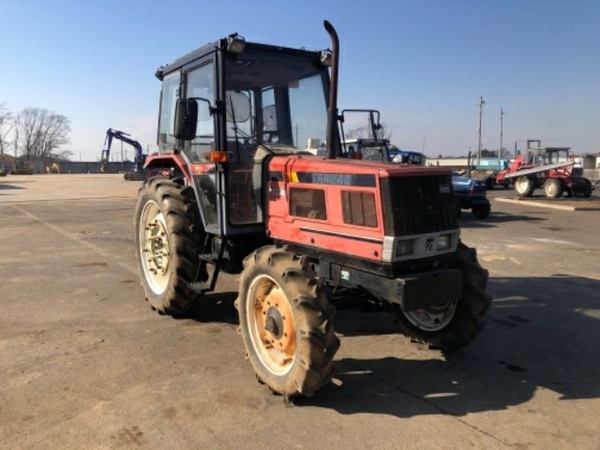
(217, 156)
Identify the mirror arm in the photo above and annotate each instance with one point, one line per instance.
(219, 106)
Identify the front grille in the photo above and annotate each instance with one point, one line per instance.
(577, 172)
(422, 204)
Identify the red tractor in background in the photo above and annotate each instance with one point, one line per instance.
(239, 192)
(551, 168)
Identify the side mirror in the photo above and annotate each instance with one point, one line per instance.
(186, 119)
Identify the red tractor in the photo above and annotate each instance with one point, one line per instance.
(239, 193)
(551, 168)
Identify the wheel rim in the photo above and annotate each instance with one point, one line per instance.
(552, 189)
(433, 318)
(522, 184)
(154, 251)
(271, 325)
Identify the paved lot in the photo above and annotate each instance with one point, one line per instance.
(85, 363)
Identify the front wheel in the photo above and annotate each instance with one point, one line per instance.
(584, 190)
(286, 322)
(453, 324)
(167, 235)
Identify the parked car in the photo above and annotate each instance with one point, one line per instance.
(470, 194)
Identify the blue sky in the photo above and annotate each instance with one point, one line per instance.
(423, 64)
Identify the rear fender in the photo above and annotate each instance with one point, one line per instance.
(169, 165)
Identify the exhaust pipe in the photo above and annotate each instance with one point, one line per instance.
(332, 113)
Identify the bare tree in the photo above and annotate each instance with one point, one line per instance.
(40, 133)
(383, 132)
(6, 126)
(357, 133)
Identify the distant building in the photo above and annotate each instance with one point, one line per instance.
(454, 163)
(591, 167)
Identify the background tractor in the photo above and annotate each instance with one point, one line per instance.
(550, 168)
(238, 191)
(53, 168)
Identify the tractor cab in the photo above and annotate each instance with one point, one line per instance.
(547, 155)
(371, 148)
(366, 149)
(229, 106)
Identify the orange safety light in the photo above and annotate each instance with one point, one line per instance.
(216, 156)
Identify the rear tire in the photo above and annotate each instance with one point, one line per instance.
(524, 186)
(454, 324)
(286, 322)
(481, 212)
(167, 236)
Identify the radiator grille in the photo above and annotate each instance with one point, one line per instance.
(422, 204)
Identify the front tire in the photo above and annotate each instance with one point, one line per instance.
(167, 235)
(584, 190)
(452, 325)
(286, 322)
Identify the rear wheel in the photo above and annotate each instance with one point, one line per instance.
(286, 322)
(481, 211)
(453, 324)
(524, 186)
(553, 188)
(167, 234)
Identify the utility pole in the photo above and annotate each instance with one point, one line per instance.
(480, 105)
(502, 112)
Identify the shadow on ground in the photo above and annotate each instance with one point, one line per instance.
(540, 333)
(498, 218)
(544, 337)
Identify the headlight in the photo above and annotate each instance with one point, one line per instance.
(404, 248)
(444, 242)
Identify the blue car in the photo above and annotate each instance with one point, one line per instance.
(470, 194)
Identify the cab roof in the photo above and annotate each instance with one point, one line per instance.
(221, 45)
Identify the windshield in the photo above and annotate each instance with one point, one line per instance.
(375, 153)
(275, 99)
(369, 151)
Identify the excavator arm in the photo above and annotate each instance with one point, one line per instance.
(111, 134)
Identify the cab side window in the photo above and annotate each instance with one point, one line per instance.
(200, 84)
(166, 140)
